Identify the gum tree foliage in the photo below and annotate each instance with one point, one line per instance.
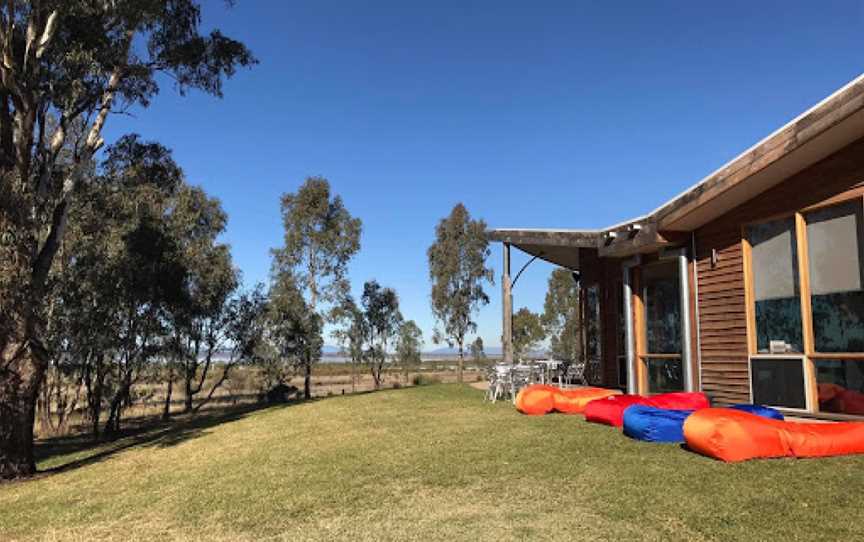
(528, 332)
(66, 62)
(457, 270)
(320, 239)
(562, 318)
(123, 273)
(409, 344)
(478, 354)
(294, 331)
(382, 324)
(350, 333)
(199, 326)
(143, 282)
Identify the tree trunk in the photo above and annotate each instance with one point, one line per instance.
(461, 361)
(307, 378)
(20, 379)
(166, 410)
(187, 401)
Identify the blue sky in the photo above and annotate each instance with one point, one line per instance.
(533, 114)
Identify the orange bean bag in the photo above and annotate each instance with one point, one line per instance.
(536, 399)
(732, 435)
(539, 399)
(610, 410)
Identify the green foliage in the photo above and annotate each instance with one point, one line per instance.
(409, 343)
(457, 269)
(478, 354)
(425, 380)
(382, 325)
(294, 328)
(320, 239)
(68, 64)
(528, 332)
(562, 316)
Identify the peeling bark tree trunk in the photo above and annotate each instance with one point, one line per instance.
(20, 377)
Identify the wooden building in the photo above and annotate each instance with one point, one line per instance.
(749, 286)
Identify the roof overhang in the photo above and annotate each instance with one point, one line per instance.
(559, 247)
(829, 126)
(819, 132)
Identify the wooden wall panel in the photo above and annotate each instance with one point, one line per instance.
(721, 299)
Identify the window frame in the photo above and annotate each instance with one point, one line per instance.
(809, 354)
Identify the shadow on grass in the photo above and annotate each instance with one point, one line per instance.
(63, 454)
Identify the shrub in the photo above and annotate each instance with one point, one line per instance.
(425, 380)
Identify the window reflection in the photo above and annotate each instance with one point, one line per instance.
(841, 386)
(835, 240)
(775, 284)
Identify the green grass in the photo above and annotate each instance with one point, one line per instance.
(429, 463)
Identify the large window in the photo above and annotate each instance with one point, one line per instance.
(662, 299)
(810, 302)
(835, 241)
(775, 284)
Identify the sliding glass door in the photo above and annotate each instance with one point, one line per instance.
(661, 297)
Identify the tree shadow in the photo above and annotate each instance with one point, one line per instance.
(82, 450)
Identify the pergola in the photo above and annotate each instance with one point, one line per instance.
(560, 247)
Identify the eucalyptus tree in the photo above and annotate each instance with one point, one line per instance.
(200, 324)
(70, 61)
(562, 316)
(408, 346)
(528, 332)
(239, 331)
(119, 273)
(383, 321)
(457, 270)
(294, 328)
(320, 239)
(350, 333)
(478, 354)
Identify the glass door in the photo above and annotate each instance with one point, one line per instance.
(662, 328)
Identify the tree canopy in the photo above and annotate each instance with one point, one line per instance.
(458, 272)
(562, 316)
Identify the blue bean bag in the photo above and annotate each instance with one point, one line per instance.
(652, 424)
(759, 410)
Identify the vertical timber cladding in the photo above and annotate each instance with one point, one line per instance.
(722, 308)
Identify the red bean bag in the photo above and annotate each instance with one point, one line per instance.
(834, 398)
(539, 399)
(610, 411)
(732, 435)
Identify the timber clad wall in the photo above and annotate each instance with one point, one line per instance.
(722, 310)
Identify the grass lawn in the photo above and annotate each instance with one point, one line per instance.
(429, 463)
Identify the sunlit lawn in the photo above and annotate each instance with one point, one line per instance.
(429, 463)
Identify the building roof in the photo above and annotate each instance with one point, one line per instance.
(822, 130)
